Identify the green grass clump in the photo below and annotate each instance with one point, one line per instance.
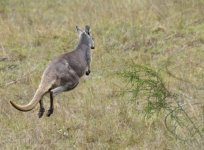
(146, 84)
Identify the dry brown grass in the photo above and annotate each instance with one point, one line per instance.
(166, 35)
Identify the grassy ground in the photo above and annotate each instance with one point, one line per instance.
(168, 36)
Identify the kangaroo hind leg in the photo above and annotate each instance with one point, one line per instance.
(41, 110)
(46, 87)
(67, 87)
(51, 109)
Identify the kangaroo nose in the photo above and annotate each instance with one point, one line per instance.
(92, 47)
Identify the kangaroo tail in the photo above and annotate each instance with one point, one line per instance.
(41, 91)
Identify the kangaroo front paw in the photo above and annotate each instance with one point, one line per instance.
(49, 112)
(88, 72)
(41, 112)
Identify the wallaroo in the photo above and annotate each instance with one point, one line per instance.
(63, 73)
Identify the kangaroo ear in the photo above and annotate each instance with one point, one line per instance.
(79, 31)
(87, 29)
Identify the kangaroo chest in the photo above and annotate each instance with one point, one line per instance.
(79, 62)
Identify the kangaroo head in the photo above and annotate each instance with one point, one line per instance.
(86, 36)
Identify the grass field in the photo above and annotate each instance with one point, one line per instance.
(165, 35)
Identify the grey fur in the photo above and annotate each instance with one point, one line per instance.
(63, 73)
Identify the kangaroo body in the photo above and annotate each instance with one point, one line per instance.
(63, 73)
